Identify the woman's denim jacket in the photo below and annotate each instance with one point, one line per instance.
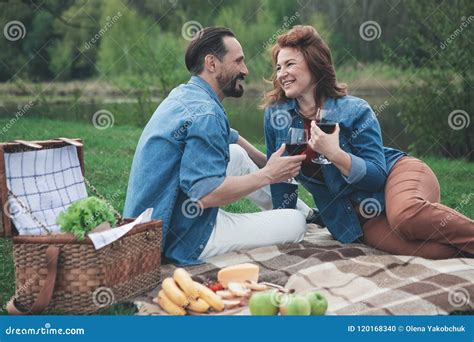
(337, 197)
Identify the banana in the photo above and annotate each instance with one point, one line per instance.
(210, 297)
(167, 305)
(174, 293)
(183, 279)
(198, 305)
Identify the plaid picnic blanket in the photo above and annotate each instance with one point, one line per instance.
(356, 279)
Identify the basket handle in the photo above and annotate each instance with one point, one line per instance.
(46, 293)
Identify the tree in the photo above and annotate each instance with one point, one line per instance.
(437, 100)
(75, 27)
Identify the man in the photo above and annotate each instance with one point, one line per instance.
(189, 162)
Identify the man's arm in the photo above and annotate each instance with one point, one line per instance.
(278, 169)
(257, 157)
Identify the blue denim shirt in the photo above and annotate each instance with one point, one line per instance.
(181, 156)
(360, 137)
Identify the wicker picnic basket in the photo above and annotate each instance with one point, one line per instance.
(59, 274)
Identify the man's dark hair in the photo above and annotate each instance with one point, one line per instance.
(207, 41)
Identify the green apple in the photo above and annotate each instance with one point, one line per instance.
(295, 305)
(263, 304)
(318, 303)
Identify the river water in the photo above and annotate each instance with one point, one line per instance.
(243, 113)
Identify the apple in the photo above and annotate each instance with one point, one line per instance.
(263, 304)
(295, 305)
(318, 303)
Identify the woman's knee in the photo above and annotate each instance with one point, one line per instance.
(405, 217)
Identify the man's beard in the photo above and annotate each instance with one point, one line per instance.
(228, 85)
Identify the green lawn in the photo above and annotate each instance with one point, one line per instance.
(108, 156)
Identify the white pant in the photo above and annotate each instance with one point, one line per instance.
(243, 231)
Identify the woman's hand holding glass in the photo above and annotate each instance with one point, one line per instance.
(324, 144)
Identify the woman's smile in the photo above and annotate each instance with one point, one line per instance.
(293, 73)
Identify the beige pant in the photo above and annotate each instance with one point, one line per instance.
(244, 231)
(414, 222)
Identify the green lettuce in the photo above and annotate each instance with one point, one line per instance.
(84, 215)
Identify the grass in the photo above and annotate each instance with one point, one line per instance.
(371, 75)
(109, 154)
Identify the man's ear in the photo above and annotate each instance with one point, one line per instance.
(210, 63)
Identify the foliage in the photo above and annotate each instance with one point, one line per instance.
(427, 104)
(12, 56)
(438, 100)
(69, 59)
(139, 55)
(38, 36)
(258, 28)
(141, 52)
(58, 31)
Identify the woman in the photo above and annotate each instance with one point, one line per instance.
(368, 192)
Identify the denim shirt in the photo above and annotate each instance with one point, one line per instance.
(181, 156)
(371, 162)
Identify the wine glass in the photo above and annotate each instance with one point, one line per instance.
(296, 143)
(328, 128)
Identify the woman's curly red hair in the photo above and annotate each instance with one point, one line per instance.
(318, 57)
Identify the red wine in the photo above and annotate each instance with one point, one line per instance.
(327, 127)
(296, 149)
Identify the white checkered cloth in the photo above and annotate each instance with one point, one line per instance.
(46, 182)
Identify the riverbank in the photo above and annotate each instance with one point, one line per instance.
(362, 79)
